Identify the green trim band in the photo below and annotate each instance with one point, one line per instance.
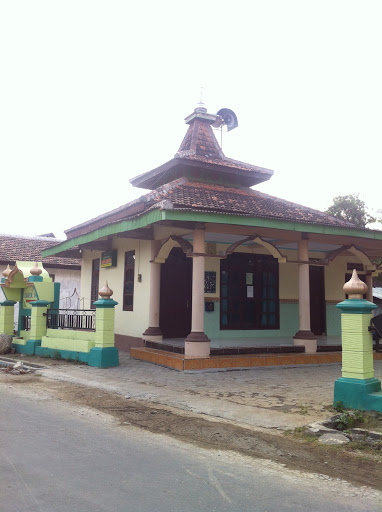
(268, 223)
(8, 303)
(105, 303)
(35, 279)
(112, 229)
(356, 306)
(39, 303)
(218, 218)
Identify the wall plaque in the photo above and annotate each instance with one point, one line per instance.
(209, 306)
(109, 259)
(209, 282)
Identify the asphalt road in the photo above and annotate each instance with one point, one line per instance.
(54, 458)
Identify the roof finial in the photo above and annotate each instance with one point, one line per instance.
(201, 106)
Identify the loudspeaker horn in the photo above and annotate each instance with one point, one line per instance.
(229, 118)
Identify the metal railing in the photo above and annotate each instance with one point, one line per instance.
(26, 323)
(76, 319)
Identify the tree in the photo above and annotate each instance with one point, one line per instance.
(352, 209)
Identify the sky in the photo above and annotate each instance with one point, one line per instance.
(93, 93)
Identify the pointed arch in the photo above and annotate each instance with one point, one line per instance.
(167, 245)
(258, 240)
(363, 257)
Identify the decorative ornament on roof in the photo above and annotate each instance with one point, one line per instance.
(35, 271)
(105, 292)
(200, 107)
(355, 288)
(7, 271)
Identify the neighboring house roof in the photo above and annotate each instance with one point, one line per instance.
(14, 248)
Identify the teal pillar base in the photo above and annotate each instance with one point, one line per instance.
(361, 394)
(30, 347)
(19, 349)
(82, 357)
(103, 357)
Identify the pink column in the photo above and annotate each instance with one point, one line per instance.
(153, 332)
(197, 344)
(304, 336)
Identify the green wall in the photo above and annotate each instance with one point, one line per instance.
(288, 325)
(333, 320)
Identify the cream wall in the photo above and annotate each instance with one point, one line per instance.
(129, 323)
(335, 277)
(134, 323)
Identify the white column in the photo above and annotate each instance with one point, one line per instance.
(153, 332)
(369, 282)
(197, 344)
(304, 336)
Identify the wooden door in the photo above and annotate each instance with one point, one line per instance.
(176, 295)
(317, 301)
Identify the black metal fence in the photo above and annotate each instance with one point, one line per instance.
(76, 319)
(25, 323)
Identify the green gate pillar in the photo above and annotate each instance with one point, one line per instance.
(357, 388)
(38, 325)
(6, 316)
(104, 354)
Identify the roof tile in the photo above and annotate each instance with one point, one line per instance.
(21, 248)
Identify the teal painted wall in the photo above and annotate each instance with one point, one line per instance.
(288, 325)
(333, 320)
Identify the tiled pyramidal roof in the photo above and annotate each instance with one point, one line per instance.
(22, 248)
(201, 178)
(188, 195)
(200, 141)
(200, 155)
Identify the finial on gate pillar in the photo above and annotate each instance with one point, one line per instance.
(355, 288)
(35, 271)
(7, 271)
(105, 292)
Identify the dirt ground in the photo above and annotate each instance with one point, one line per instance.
(360, 467)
